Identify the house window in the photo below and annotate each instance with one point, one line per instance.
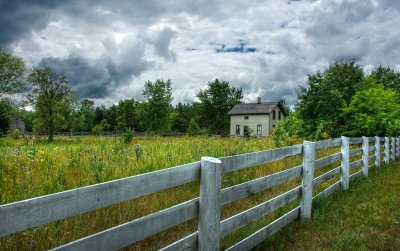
(237, 129)
(273, 115)
(259, 129)
(246, 117)
(279, 115)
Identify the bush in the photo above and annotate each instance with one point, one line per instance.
(15, 134)
(193, 128)
(128, 135)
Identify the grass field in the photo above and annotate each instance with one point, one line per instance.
(366, 217)
(30, 168)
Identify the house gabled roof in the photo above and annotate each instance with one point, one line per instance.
(253, 108)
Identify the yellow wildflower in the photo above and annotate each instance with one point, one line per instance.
(40, 151)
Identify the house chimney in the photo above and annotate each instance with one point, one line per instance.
(259, 100)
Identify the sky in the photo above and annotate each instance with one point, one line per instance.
(108, 49)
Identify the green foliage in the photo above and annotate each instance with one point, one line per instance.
(15, 134)
(321, 103)
(12, 71)
(182, 115)
(99, 128)
(126, 114)
(86, 115)
(193, 128)
(128, 135)
(158, 106)
(5, 115)
(387, 77)
(371, 110)
(51, 96)
(393, 128)
(288, 131)
(215, 103)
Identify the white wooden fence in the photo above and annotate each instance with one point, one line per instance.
(22, 215)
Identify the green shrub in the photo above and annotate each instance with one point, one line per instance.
(15, 134)
(128, 135)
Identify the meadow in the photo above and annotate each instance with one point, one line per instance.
(33, 167)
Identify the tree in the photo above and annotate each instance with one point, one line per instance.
(5, 115)
(51, 96)
(183, 114)
(215, 102)
(126, 116)
(158, 106)
(12, 70)
(371, 111)
(321, 102)
(193, 128)
(387, 77)
(87, 113)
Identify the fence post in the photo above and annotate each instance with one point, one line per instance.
(307, 182)
(209, 204)
(386, 150)
(377, 151)
(398, 147)
(365, 146)
(345, 163)
(393, 140)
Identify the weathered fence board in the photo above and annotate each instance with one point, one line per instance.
(187, 243)
(371, 148)
(355, 140)
(372, 157)
(326, 176)
(237, 162)
(328, 191)
(259, 236)
(355, 152)
(248, 188)
(371, 139)
(239, 220)
(127, 233)
(355, 164)
(41, 210)
(355, 175)
(319, 163)
(323, 144)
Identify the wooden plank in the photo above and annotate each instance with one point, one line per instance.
(323, 144)
(237, 162)
(209, 208)
(251, 187)
(133, 231)
(382, 139)
(393, 148)
(372, 157)
(371, 148)
(41, 210)
(328, 191)
(371, 139)
(355, 140)
(187, 243)
(355, 152)
(319, 163)
(355, 175)
(355, 163)
(326, 176)
(258, 237)
(387, 153)
(239, 220)
(377, 152)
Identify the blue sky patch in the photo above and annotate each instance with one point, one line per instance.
(241, 48)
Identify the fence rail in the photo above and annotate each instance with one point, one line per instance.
(22, 215)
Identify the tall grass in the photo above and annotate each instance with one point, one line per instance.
(30, 168)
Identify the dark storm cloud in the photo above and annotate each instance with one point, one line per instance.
(19, 18)
(97, 78)
(162, 43)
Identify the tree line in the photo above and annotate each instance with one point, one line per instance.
(344, 100)
(56, 108)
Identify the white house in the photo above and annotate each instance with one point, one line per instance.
(260, 118)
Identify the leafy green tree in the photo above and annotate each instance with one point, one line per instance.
(321, 102)
(288, 131)
(5, 115)
(87, 113)
(99, 114)
(126, 116)
(51, 96)
(12, 71)
(183, 114)
(371, 111)
(111, 116)
(101, 127)
(215, 103)
(387, 77)
(158, 105)
(193, 128)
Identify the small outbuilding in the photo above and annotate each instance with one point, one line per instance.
(259, 119)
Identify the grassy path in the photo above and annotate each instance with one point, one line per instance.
(366, 217)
